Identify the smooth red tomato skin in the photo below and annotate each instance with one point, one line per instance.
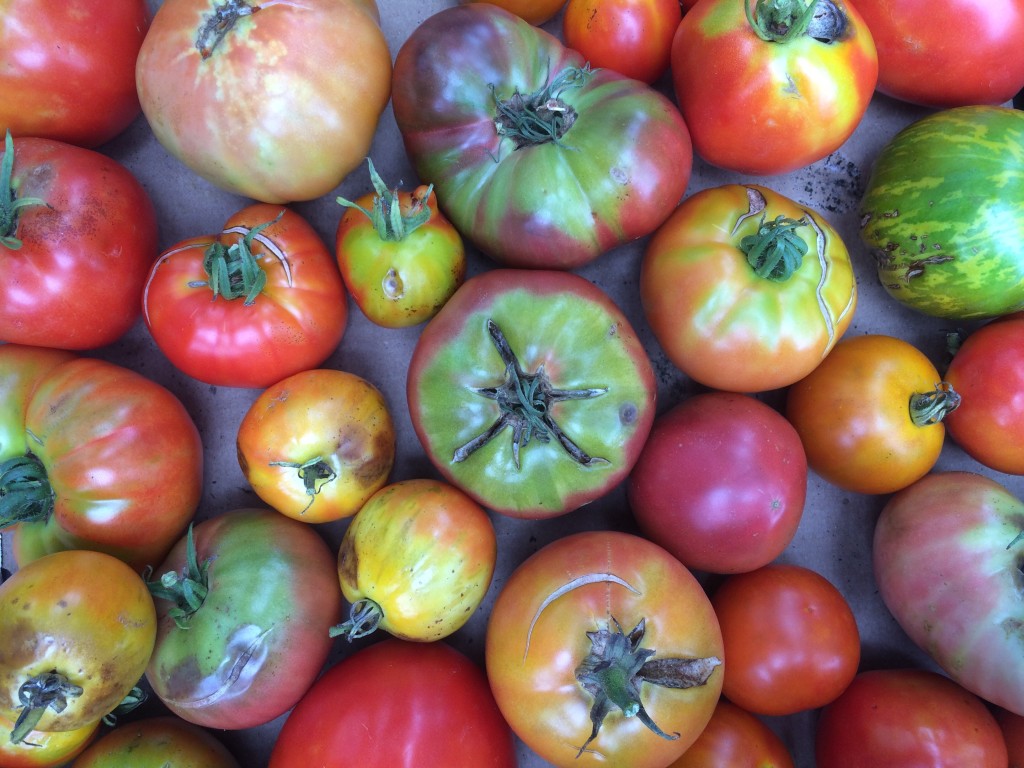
(157, 742)
(1012, 726)
(731, 509)
(893, 718)
(734, 738)
(633, 37)
(791, 639)
(741, 112)
(69, 68)
(294, 324)
(534, 11)
(988, 373)
(76, 280)
(417, 705)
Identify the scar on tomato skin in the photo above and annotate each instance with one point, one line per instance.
(628, 413)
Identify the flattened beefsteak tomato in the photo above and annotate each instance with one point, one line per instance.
(537, 159)
(531, 392)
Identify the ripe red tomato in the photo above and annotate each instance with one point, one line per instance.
(76, 248)
(633, 37)
(732, 509)
(1012, 726)
(157, 742)
(397, 704)
(69, 68)
(734, 738)
(893, 718)
(791, 640)
(534, 11)
(247, 307)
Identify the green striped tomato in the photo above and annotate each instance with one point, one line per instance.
(942, 213)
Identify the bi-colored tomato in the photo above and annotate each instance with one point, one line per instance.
(157, 742)
(734, 738)
(43, 749)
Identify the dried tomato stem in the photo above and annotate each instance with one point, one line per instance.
(217, 24)
(932, 407)
(364, 617)
(49, 690)
(25, 492)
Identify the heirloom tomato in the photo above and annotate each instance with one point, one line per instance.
(894, 718)
(791, 640)
(734, 738)
(273, 101)
(745, 289)
(401, 259)
(870, 416)
(940, 208)
(537, 159)
(259, 301)
(245, 602)
(78, 236)
(43, 749)
(948, 553)
(987, 372)
(534, 11)
(603, 649)
(975, 44)
(531, 392)
(157, 742)
(69, 68)
(78, 628)
(727, 510)
(316, 445)
(396, 704)
(633, 37)
(415, 561)
(769, 86)
(93, 456)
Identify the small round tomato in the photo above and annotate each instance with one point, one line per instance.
(400, 258)
(745, 289)
(43, 749)
(633, 37)
(891, 718)
(78, 628)
(734, 738)
(603, 649)
(158, 742)
(534, 11)
(249, 306)
(316, 445)
(727, 510)
(870, 416)
(416, 561)
(790, 637)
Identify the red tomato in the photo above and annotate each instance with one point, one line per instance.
(75, 255)
(731, 509)
(894, 718)
(633, 37)
(397, 704)
(784, 90)
(157, 742)
(250, 306)
(534, 11)
(975, 44)
(734, 738)
(69, 68)
(1012, 726)
(987, 372)
(791, 640)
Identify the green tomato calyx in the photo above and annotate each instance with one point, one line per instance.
(780, 21)
(524, 402)
(932, 407)
(616, 668)
(775, 251)
(217, 24)
(233, 271)
(25, 492)
(364, 617)
(314, 474)
(187, 590)
(48, 690)
(541, 117)
(10, 203)
(391, 222)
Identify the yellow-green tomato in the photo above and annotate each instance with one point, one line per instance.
(416, 561)
(158, 742)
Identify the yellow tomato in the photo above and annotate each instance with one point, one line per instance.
(534, 11)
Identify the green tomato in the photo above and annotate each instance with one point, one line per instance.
(158, 742)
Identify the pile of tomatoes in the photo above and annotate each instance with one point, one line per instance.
(400, 384)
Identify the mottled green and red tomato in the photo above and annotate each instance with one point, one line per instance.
(157, 742)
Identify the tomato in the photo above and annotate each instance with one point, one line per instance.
(317, 444)
(69, 68)
(273, 101)
(603, 649)
(745, 289)
(791, 640)
(988, 373)
(973, 43)
(77, 238)
(43, 749)
(78, 629)
(1012, 727)
(93, 456)
(400, 258)
(947, 559)
(891, 718)
(157, 742)
(633, 37)
(538, 160)
(534, 11)
(791, 80)
(243, 618)
(727, 510)
(418, 704)
(870, 416)
(531, 392)
(734, 738)
(416, 561)
(247, 307)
